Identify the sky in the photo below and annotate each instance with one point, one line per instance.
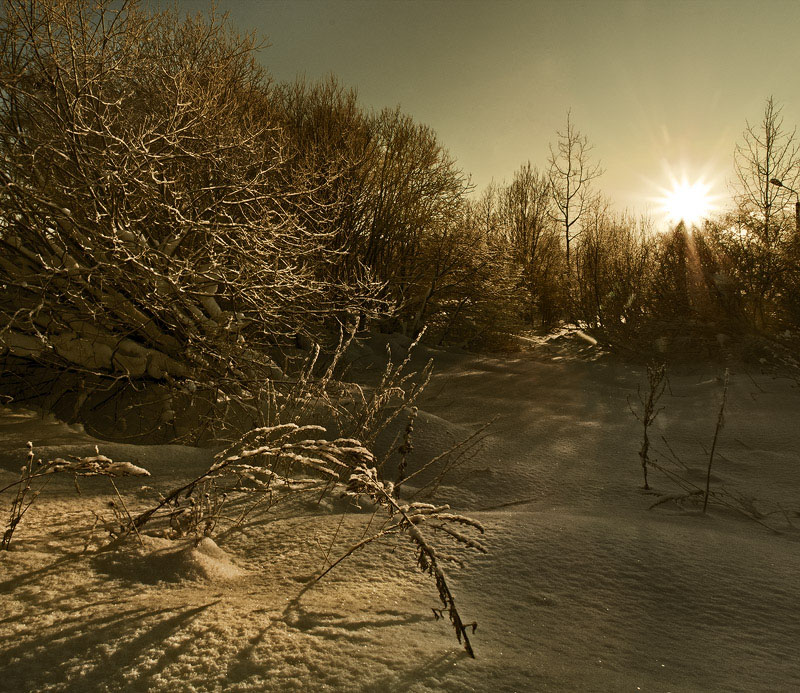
(663, 89)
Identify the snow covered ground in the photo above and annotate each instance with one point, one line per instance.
(584, 588)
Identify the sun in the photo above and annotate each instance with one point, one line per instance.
(687, 202)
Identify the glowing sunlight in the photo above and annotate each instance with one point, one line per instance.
(687, 202)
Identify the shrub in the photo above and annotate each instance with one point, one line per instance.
(150, 229)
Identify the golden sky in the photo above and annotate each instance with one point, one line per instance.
(658, 86)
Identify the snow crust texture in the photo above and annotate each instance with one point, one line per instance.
(584, 589)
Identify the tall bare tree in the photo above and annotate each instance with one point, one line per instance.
(571, 172)
(526, 210)
(486, 210)
(768, 152)
(613, 268)
(333, 142)
(415, 192)
(760, 246)
(526, 205)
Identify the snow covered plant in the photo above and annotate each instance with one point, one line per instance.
(357, 411)
(33, 469)
(156, 235)
(413, 519)
(265, 466)
(397, 390)
(700, 496)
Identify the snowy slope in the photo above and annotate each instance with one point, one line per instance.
(584, 589)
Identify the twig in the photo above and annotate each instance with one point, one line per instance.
(394, 529)
(365, 481)
(127, 512)
(656, 380)
(717, 429)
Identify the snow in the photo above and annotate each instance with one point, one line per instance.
(583, 587)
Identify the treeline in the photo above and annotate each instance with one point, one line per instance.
(547, 247)
(170, 213)
(570, 257)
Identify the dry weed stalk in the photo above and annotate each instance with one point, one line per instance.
(725, 497)
(398, 389)
(260, 468)
(453, 457)
(408, 446)
(275, 462)
(717, 429)
(656, 381)
(410, 519)
(94, 465)
(18, 506)
(262, 462)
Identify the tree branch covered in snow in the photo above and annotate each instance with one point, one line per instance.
(151, 228)
(412, 519)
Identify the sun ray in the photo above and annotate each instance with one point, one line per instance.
(687, 202)
(687, 199)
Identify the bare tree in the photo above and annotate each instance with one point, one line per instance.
(767, 152)
(332, 141)
(613, 268)
(526, 210)
(481, 298)
(570, 172)
(762, 223)
(149, 226)
(415, 193)
(526, 206)
(486, 211)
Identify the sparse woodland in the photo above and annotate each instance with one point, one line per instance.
(189, 248)
(173, 216)
(180, 233)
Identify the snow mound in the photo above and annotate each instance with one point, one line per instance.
(157, 559)
(19, 425)
(52, 439)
